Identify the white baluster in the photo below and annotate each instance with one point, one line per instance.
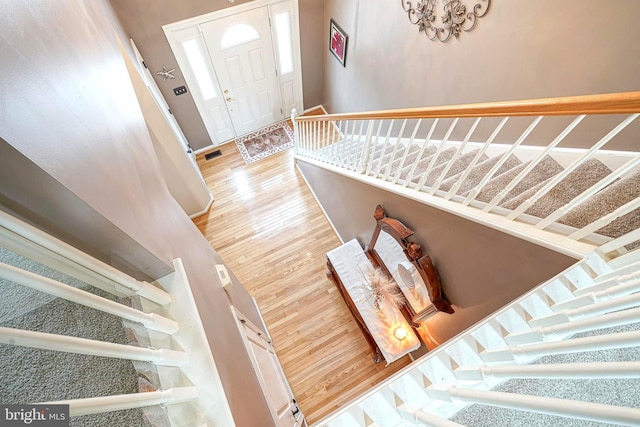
(467, 171)
(427, 141)
(587, 194)
(375, 148)
(396, 175)
(415, 414)
(626, 259)
(64, 252)
(457, 154)
(621, 241)
(67, 344)
(384, 148)
(338, 139)
(96, 405)
(364, 156)
(397, 144)
(591, 310)
(607, 219)
(529, 352)
(597, 370)
(543, 405)
(561, 331)
(478, 188)
(62, 290)
(443, 143)
(296, 132)
(503, 193)
(569, 169)
(602, 291)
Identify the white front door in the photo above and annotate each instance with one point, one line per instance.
(271, 377)
(242, 54)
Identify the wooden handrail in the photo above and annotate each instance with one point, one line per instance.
(610, 103)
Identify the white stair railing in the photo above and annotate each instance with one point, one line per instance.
(358, 148)
(587, 411)
(183, 359)
(69, 344)
(97, 405)
(462, 371)
(27, 240)
(70, 293)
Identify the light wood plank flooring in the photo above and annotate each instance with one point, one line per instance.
(270, 231)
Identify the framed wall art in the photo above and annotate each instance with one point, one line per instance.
(338, 42)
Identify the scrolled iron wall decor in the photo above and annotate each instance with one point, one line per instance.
(455, 18)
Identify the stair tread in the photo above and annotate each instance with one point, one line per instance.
(586, 175)
(606, 201)
(458, 166)
(479, 171)
(444, 156)
(541, 172)
(426, 157)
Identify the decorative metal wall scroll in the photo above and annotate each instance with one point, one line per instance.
(455, 18)
(166, 74)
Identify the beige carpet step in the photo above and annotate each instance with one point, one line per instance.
(544, 170)
(606, 201)
(421, 168)
(414, 150)
(458, 166)
(426, 157)
(578, 181)
(479, 171)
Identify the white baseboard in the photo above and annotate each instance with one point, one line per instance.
(335, 230)
(206, 208)
(315, 108)
(205, 149)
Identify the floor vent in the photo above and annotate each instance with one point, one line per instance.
(213, 155)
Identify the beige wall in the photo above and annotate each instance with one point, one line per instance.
(143, 21)
(481, 269)
(519, 50)
(76, 159)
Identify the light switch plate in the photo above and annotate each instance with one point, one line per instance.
(180, 90)
(223, 274)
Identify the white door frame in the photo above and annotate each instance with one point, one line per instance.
(243, 322)
(162, 105)
(172, 29)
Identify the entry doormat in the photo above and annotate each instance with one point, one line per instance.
(265, 142)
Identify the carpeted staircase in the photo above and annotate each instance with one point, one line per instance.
(31, 375)
(613, 391)
(486, 179)
(444, 166)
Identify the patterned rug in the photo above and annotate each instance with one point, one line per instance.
(265, 142)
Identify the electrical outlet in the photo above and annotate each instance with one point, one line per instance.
(180, 90)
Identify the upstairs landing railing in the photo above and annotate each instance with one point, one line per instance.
(588, 298)
(435, 155)
(185, 368)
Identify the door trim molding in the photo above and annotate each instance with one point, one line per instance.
(222, 13)
(171, 30)
(242, 321)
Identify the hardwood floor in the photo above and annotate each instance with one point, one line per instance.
(267, 226)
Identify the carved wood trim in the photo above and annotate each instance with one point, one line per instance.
(413, 251)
